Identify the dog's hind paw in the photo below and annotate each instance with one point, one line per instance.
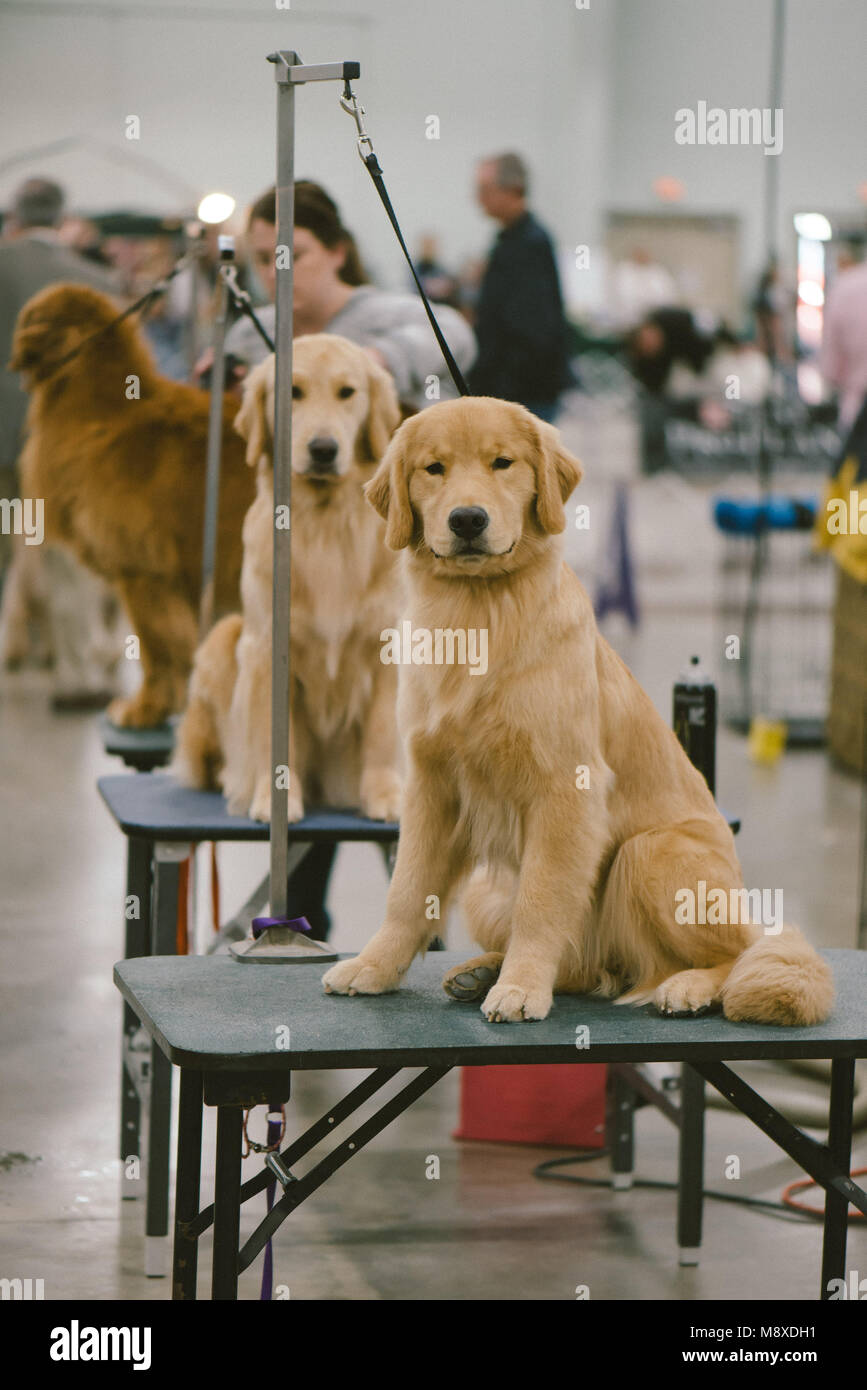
(507, 1003)
(474, 978)
(688, 994)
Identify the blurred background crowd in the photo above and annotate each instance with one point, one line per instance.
(693, 316)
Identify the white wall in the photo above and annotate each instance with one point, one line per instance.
(588, 95)
(673, 53)
(528, 74)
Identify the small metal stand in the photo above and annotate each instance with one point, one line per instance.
(279, 943)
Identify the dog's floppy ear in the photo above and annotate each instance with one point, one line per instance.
(383, 416)
(252, 421)
(388, 492)
(37, 346)
(558, 473)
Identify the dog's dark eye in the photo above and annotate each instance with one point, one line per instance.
(345, 392)
(501, 463)
(435, 468)
(297, 393)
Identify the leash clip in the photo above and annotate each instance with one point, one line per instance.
(349, 102)
(229, 272)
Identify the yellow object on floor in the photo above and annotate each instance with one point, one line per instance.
(767, 740)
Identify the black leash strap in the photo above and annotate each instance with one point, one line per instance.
(349, 102)
(146, 300)
(242, 301)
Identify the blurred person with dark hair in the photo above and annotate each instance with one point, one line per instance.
(84, 237)
(331, 295)
(520, 324)
(665, 338)
(671, 354)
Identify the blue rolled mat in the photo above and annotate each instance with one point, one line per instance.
(738, 516)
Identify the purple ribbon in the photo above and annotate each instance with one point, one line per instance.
(261, 924)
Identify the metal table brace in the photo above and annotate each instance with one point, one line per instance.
(827, 1164)
(224, 1213)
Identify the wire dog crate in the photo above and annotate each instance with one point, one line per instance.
(775, 596)
(790, 433)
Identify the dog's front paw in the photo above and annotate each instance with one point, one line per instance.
(358, 976)
(237, 796)
(380, 793)
(507, 1003)
(260, 806)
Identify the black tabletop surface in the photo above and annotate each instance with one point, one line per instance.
(213, 1013)
(153, 806)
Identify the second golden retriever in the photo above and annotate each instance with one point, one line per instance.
(118, 452)
(551, 779)
(344, 748)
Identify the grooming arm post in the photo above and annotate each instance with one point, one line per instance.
(289, 72)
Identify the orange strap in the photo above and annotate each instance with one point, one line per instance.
(182, 936)
(803, 1183)
(215, 887)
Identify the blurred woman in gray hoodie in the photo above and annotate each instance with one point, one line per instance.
(331, 295)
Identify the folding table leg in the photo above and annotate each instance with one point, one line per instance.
(137, 916)
(227, 1204)
(621, 1131)
(690, 1196)
(167, 860)
(187, 1185)
(840, 1153)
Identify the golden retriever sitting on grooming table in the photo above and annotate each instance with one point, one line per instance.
(344, 749)
(576, 877)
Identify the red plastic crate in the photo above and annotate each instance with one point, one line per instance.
(559, 1105)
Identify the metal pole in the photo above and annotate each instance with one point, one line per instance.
(215, 442)
(772, 164)
(282, 489)
(288, 71)
(763, 454)
(194, 238)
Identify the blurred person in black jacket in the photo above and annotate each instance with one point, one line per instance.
(668, 344)
(520, 325)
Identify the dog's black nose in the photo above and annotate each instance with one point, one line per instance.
(468, 522)
(323, 452)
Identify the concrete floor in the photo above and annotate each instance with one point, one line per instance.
(487, 1229)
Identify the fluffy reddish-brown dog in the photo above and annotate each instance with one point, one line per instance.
(118, 453)
(579, 880)
(344, 749)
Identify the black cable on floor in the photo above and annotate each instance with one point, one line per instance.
(776, 1209)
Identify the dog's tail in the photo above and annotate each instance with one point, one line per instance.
(779, 979)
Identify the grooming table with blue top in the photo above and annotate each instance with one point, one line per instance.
(143, 749)
(162, 822)
(216, 1021)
